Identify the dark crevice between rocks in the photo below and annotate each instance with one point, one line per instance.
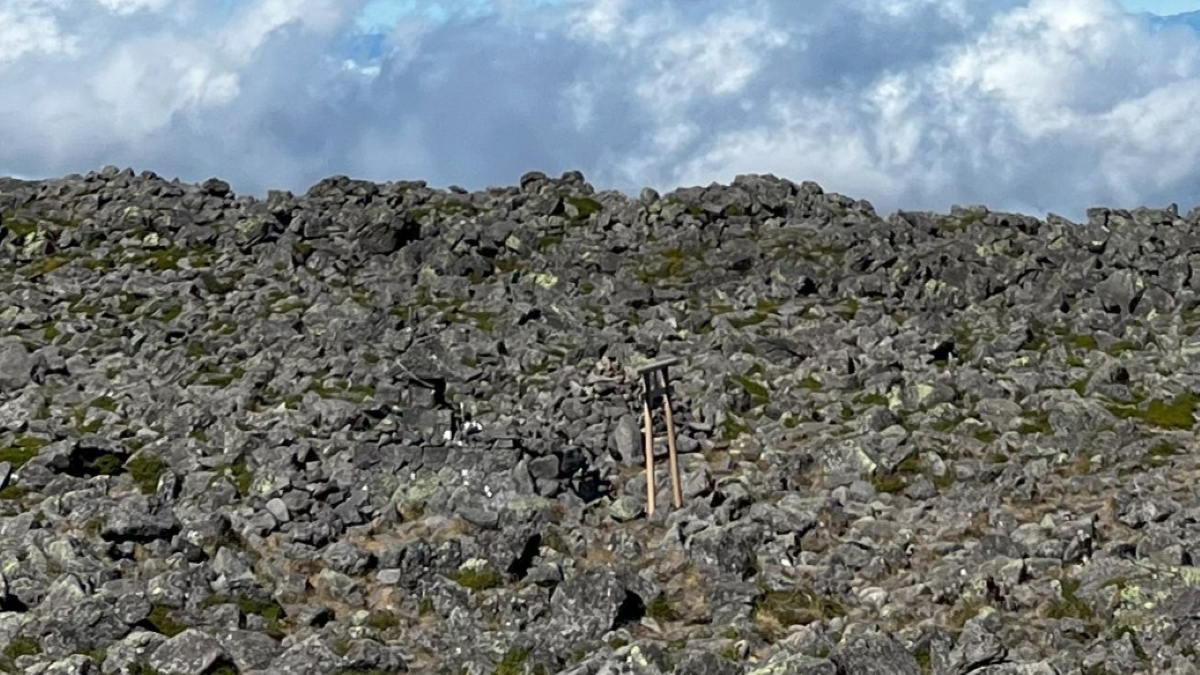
(222, 666)
(520, 566)
(592, 486)
(86, 462)
(943, 352)
(631, 610)
(11, 603)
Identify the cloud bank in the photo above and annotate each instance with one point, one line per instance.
(1034, 106)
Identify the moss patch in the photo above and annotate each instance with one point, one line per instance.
(243, 478)
(271, 612)
(811, 383)
(146, 469)
(21, 646)
(774, 611)
(1178, 413)
(1036, 422)
(660, 609)
(512, 663)
(731, 428)
(758, 393)
(1160, 454)
(23, 449)
(1068, 605)
(160, 619)
(13, 493)
(478, 579)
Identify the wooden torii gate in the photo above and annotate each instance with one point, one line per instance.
(657, 384)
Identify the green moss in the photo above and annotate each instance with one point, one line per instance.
(477, 579)
(145, 469)
(99, 264)
(47, 265)
(243, 478)
(746, 321)
(731, 427)
(382, 620)
(51, 332)
(1179, 413)
(170, 313)
(1160, 454)
(85, 308)
(512, 663)
(107, 464)
(759, 394)
(23, 449)
(21, 646)
(889, 483)
(17, 227)
(357, 393)
(776, 610)
(910, 465)
(849, 310)
(1175, 414)
(425, 607)
(271, 611)
(484, 321)
(224, 379)
(660, 609)
(871, 399)
(13, 492)
(160, 619)
(810, 383)
(965, 610)
(944, 481)
(947, 425)
(96, 655)
(164, 259)
(1086, 342)
(1036, 422)
(1121, 346)
(549, 241)
(984, 435)
(1069, 606)
(105, 403)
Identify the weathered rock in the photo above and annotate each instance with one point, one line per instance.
(385, 426)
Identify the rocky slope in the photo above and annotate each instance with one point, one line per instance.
(382, 428)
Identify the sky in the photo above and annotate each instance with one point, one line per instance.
(1034, 106)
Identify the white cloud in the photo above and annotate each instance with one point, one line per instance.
(123, 7)
(1029, 105)
(31, 29)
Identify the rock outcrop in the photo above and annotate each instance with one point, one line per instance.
(383, 428)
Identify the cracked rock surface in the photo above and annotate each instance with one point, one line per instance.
(385, 428)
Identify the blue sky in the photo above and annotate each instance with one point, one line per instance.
(1025, 105)
(1161, 7)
